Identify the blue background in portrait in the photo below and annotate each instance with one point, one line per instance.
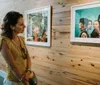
(90, 13)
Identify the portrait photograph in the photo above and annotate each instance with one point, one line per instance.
(38, 26)
(85, 23)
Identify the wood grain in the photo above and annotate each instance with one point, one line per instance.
(64, 63)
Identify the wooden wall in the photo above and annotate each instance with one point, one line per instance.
(63, 63)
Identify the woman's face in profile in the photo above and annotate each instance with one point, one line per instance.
(19, 27)
(89, 25)
(81, 26)
(96, 25)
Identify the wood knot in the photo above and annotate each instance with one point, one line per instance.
(71, 60)
(60, 53)
(61, 42)
(81, 59)
(59, 72)
(64, 72)
(63, 5)
(73, 65)
(58, 2)
(48, 57)
(79, 64)
(60, 20)
(33, 57)
(50, 72)
(53, 59)
(92, 65)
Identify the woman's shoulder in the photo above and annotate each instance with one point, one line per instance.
(5, 39)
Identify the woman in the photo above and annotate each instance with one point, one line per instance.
(96, 32)
(14, 50)
(83, 26)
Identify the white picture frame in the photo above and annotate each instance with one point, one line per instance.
(89, 11)
(38, 26)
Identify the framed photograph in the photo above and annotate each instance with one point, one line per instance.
(85, 23)
(38, 26)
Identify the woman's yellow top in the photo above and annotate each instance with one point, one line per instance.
(19, 54)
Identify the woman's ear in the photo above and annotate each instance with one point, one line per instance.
(12, 27)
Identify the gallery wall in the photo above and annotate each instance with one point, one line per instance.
(64, 63)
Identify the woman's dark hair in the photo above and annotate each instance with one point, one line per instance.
(95, 34)
(10, 19)
(85, 33)
(99, 18)
(84, 21)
